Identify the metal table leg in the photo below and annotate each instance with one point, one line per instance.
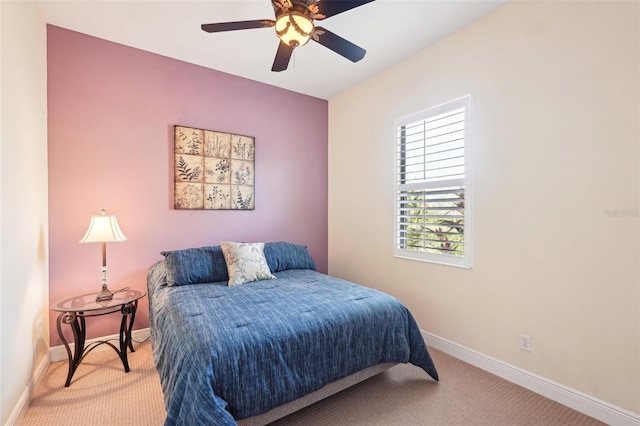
(126, 325)
(78, 326)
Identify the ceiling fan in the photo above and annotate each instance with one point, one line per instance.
(294, 26)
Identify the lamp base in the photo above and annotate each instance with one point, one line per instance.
(104, 295)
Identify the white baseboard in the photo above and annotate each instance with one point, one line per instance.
(59, 353)
(571, 398)
(25, 399)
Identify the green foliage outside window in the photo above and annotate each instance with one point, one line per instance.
(433, 224)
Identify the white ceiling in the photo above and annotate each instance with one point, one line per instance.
(390, 31)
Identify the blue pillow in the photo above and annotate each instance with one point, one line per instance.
(195, 265)
(282, 256)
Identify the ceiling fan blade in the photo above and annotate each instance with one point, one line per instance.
(240, 25)
(339, 45)
(283, 55)
(328, 8)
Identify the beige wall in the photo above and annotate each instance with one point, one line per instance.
(24, 325)
(556, 174)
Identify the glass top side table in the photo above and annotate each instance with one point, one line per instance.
(73, 312)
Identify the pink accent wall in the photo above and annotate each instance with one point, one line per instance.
(111, 111)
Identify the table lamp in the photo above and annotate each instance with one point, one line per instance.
(103, 229)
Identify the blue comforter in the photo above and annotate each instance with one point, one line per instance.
(226, 353)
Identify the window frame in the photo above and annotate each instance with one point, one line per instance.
(466, 260)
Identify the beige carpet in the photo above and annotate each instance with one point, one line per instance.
(102, 394)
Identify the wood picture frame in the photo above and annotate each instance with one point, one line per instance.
(213, 170)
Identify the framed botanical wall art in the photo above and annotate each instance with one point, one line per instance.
(213, 170)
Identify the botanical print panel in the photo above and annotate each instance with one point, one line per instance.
(213, 170)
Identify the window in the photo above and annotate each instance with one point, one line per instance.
(433, 191)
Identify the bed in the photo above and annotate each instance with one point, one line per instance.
(235, 348)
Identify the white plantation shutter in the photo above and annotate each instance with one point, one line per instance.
(433, 186)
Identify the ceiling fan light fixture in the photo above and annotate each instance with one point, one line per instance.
(294, 28)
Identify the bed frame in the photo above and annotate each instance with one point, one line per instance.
(313, 397)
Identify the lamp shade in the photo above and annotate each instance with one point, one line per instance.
(103, 229)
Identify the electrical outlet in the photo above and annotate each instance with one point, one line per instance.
(525, 342)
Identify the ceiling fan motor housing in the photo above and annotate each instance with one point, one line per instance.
(284, 6)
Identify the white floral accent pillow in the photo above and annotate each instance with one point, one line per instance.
(245, 262)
